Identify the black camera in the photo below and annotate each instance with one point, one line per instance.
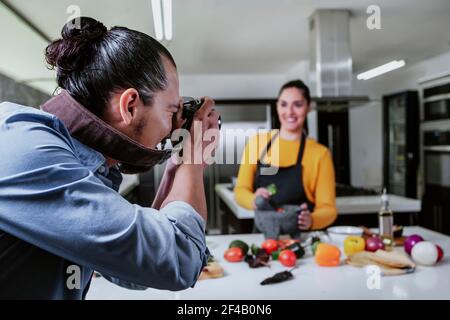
(190, 107)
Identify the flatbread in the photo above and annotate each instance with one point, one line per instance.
(390, 262)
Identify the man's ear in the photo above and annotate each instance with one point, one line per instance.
(128, 103)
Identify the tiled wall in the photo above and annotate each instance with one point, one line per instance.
(12, 91)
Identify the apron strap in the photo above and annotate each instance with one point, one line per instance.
(302, 150)
(269, 144)
(266, 149)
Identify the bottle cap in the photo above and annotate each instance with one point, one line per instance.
(385, 196)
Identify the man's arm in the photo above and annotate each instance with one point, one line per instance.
(49, 199)
(165, 184)
(188, 183)
(188, 187)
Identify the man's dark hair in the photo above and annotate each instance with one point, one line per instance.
(93, 62)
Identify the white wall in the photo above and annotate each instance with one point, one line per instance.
(366, 156)
(230, 85)
(222, 86)
(27, 50)
(239, 85)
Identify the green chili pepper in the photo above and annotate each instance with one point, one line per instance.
(275, 255)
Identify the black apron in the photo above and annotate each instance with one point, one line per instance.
(288, 180)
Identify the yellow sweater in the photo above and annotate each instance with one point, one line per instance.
(318, 173)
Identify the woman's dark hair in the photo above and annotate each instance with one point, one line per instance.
(92, 62)
(300, 85)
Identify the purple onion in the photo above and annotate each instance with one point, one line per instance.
(411, 241)
(374, 243)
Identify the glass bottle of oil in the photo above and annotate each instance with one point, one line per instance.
(386, 222)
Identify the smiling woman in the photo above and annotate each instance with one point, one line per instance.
(304, 170)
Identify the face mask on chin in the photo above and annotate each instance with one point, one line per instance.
(92, 131)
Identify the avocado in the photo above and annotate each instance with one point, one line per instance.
(239, 244)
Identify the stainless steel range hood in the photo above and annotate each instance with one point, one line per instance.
(331, 61)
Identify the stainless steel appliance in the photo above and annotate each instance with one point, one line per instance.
(436, 102)
(436, 198)
(437, 158)
(435, 137)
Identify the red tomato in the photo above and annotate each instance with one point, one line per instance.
(287, 258)
(234, 255)
(270, 246)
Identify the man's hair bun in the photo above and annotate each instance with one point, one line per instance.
(73, 51)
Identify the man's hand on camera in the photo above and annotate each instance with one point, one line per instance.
(204, 135)
(177, 120)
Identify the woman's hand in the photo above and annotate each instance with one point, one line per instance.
(304, 218)
(261, 192)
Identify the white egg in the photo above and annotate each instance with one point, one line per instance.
(425, 253)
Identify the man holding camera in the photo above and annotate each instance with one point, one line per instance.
(60, 212)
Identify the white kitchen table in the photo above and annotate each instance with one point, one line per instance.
(310, 281)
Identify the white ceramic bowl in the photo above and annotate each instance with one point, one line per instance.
(339, 233)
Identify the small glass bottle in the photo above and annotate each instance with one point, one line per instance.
(386, 222)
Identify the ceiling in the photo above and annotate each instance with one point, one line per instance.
(245, 36)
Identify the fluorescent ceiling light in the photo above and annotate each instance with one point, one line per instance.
(157, 19)
(167, 10)
(375, 72)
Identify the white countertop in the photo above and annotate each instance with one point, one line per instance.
(345, 205)
(310, 281)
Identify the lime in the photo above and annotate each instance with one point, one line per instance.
(272, 188)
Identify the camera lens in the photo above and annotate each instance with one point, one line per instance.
(190, 107)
